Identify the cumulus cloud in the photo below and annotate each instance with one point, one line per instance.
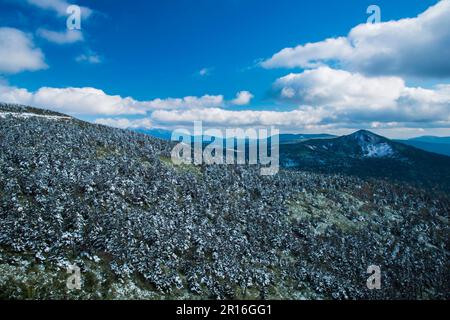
(342, 89)
(242, 98)
(206, 101)
(417, 46)
(92, 101)
(15, 95)
(86, 101)
(124, 123)
(222, 117)
(327, 99)
(61, 37)
(354, 98)
(74, 101)
(310, 55)
(58, 6)
(333, 99)
(18, 52)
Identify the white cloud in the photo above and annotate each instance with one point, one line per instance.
(15, 95)
(124, 123)
(242, 98)
(58, 6)
(92, 101)
(310, 55)
(333, 99)
(61, 37)
(355, 98)
(90, 57)
(417, 46)
(86, 101)
(221, 117)
(327, 99)
(18, 52)
(304, 118)
(341, 89)
(74, 101)
(206, 101)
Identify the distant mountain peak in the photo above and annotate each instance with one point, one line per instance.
(366, 135)
(364, 131)
(371, 144)
(367, 144)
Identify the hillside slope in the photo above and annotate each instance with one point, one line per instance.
(111, 202)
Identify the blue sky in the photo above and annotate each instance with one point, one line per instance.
(148, 50)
